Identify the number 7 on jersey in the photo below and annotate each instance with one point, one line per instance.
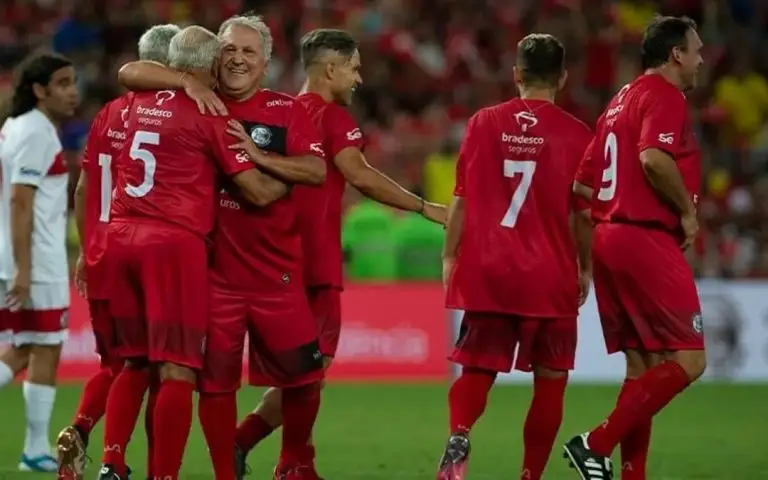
(526, 168)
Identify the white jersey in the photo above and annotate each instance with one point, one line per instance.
(31, 154)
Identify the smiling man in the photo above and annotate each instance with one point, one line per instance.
(257, 273)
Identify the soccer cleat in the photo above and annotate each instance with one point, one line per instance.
(72, 458)
(241, 467)
(41, 463)
(107, 472)
(590, 465)
(453, 464)
(302, 472)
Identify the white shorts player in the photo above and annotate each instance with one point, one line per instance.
(31, 154)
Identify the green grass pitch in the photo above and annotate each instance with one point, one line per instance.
(367, 432)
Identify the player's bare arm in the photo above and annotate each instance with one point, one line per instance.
(22, 220)
(379, 187)
(260, 189)
(582, 230)
(146, 75)
(80, 189)
(662, 173)
(302, 169)
(453, 226)
(583, 191)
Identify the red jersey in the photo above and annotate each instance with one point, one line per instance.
(320, 207)
(647, 113)
(168, 170)
(106, 139)
(258, 249)
(515, 172)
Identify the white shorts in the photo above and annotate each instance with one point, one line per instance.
(43, 319)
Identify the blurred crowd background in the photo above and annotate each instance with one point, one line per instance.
(429, 64)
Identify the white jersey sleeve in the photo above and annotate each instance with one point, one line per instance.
(30, 155)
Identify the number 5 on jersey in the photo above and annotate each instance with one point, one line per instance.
(512, 168)
(138, 152)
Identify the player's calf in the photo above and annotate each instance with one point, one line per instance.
(300, 408)
(543, 420)
(172, 418)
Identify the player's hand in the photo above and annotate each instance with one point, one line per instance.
(585, 282)
(80, 279)
(18, 295)
(690, 226)
(435, 212)
(207, 100)
(447, 271)
(244, 143)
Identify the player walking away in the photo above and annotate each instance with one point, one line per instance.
(332, 62)
(257, 277)
(34, 274)
(645, 166)
(162, 212)
(93, 197)
(511, 260)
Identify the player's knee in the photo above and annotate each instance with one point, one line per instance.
(694, 362)
(273, 398)
(43, 364)
(550, 373)
(636, 363)
(171, 371)
(327, 361)
(17, 358)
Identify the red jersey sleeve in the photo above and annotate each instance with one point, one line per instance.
(303, 137)
(344, 132)
(94, 137)
(467, 152)
(585, 174)
(664, 115)
(231, 162)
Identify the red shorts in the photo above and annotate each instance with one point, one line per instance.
(283, 345)
(325, 303)
(103, 330)
(42, 321)
(495, 341)
(646, 295)
(158, 292)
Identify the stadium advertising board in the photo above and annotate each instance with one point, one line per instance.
(390, 333)
(735, 315)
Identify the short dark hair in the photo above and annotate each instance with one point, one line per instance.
(317, 41)
(35, 69)
(661, 37)
(541, 59)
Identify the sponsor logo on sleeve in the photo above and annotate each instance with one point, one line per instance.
(355, 134)
(30, 172)
(667, 138)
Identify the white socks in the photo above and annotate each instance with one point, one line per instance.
(39, 401)
(6, 374)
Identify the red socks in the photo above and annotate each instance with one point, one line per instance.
(300, 408)
(218, 417)
(123, 407)
(251, 431)
(149, 416)
(542, 423)
(649, 394)
(634, 446)
(468, 397)
(93, 402)
(171, 426)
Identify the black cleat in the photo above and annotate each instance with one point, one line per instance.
(241, 468)
(453, 464)
(590, 465)
(107, 472)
